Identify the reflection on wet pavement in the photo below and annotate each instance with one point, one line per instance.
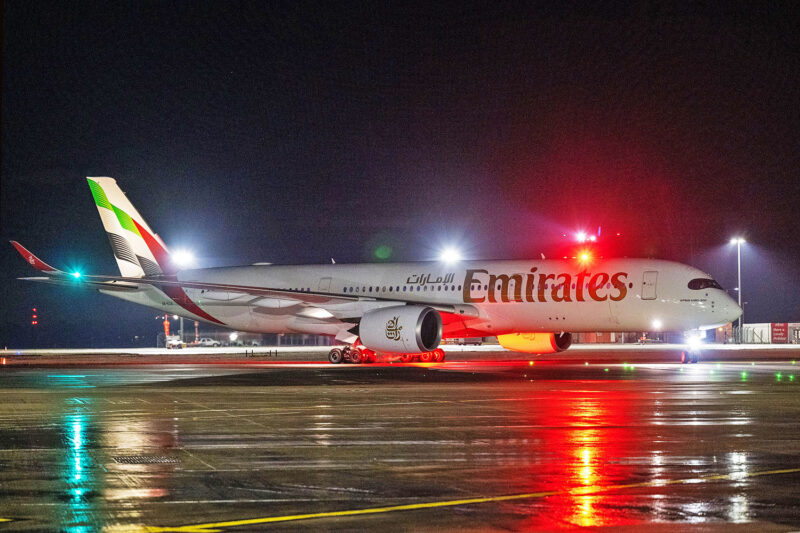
(521, 448)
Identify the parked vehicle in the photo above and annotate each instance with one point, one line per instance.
(175, 342)
(206, 341)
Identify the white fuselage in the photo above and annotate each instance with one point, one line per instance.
(489, 297)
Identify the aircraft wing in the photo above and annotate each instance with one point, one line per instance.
(70, 282)
(59, 277)
(309, 298)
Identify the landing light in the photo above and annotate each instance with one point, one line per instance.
(182, 257)
(657, 324)
(694, 342)
(233, 336)
(450, 255)
(76, 274)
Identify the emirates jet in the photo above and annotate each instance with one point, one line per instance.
(402, 310)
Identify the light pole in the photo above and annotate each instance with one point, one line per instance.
(739, 241)
(182, 258)
(180, 331)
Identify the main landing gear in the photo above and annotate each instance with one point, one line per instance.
(357, 355)
(352, 354)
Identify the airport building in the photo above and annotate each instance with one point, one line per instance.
(771, 333)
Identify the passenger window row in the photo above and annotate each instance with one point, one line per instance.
(397, 288)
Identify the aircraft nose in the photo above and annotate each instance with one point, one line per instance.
(731, 309)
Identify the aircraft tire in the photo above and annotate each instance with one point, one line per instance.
(438, 355)
(406, 357)
(335, 356)
(695, 357)
(426, 357)
(356, 356)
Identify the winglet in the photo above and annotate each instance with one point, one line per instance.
(37, 263)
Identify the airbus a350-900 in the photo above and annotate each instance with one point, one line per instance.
(402, 310)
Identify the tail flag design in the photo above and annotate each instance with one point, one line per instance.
(139, 252)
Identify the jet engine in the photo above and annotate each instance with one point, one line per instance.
(536, 342)
(401, 329)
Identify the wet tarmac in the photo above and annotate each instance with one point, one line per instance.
(470, 446)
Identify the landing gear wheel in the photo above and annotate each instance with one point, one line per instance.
(335, 356)
(426, 357)
(438, 355)
(684, 357)
(406, 357)
(695, 357)
(355, 356)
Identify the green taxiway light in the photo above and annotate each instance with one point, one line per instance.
(791, 377)
(605, 370)
(744, 376)
(778, 376)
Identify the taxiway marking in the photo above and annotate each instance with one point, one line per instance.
(214, 527)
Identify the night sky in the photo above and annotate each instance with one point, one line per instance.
(295, 132)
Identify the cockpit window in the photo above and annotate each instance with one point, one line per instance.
(703, 283)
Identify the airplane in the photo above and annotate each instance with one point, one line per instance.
(402, 310)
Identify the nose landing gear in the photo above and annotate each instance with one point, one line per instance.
(690, 356)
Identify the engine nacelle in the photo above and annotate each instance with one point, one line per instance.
(401, 329)
(536, 342)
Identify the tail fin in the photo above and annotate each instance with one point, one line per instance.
(139, 252)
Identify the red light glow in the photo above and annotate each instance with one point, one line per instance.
(588, 434)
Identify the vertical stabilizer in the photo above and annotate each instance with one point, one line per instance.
(139, 252)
